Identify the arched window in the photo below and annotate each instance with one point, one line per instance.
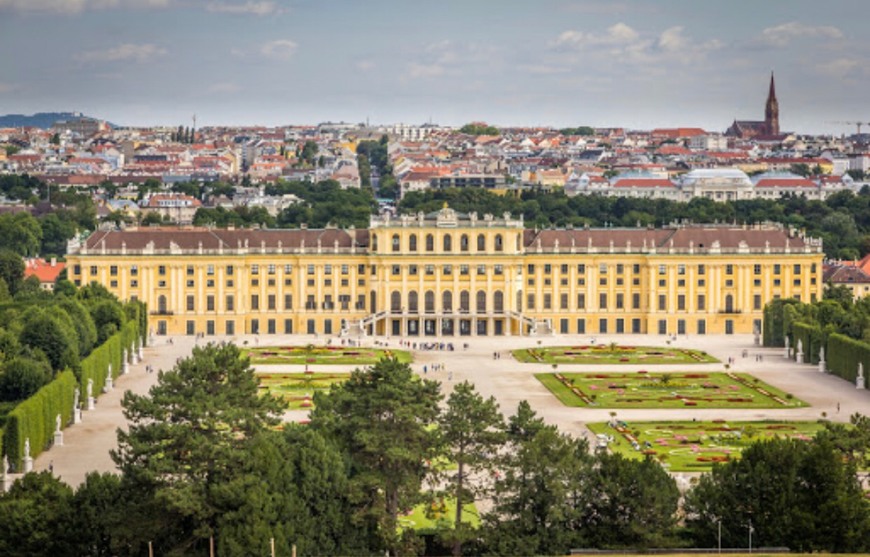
(430, 242)
(397, 244)
(499, 243)
(448, 243)
(464, 301)
(729, 303)
(498, 301)
(430, 301)
(447, 301)
(374, 242)
(373, 302)
(161, 304)
(463, 242)
(481, 301)
(412, 242)
(481, 242)
(396, 301)
(412, 302)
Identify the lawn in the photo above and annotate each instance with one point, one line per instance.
(612, 354)
(694, 446)
(441, 512)
(297, 389)
(666, 390)
(321, 355)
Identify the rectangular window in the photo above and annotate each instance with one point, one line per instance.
(756, 269)
(209, 303)
(581, 301)
(564, 269)
(681, 269)
(190, 270)
(310, 269)
(430, 269)
(209, 270)
(271, 268)
(681, 302)
(581, 326)
(190, 284)
(531, 268)
(255, 269)
(255, 302)
(396, 270)
(288, 326)
(602, 268)
(345, 269)
(548, 301)
(113, 270)
(161, 270)
(635, 301)
(777, 269)
(498, 269)
(412, 270)
(563, 301)
(702, 302)
(729, 269)
(481, 270)
(702, 269)
(581, 269)
(530, 301)
(230, 327)
(702, 327)
(190, 303)
(620, 268)
(327, 269)
(231, 302)
(134, 270)
(448, 269)
(602, 326)
(463, 269)
(602, 300)
(663, 302)
(635, 268)
(663, 269)
(270, 301)
(663, 326)
(620, 301)
(288, 269)
(229, 270)
(548, 269)
(756, 302)
(288, 301)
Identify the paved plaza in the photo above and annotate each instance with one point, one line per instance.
(87, 445)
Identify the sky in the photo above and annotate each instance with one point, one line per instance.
(638, 64)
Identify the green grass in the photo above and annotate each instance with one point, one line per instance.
(297, 389)
(441, 514)
(612, 354)
(321, 355)
(696, 446)
(666, 390)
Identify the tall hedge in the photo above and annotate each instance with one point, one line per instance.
(96, 365)
(777, 318)
(811, 340)
(35, 418)
(844, 353)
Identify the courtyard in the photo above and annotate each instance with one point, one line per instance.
(297, 390)
(321, 355)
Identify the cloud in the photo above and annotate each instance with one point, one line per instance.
(425, 71)
(842, 68)
(75, 6)
(7, 88)
(616, 34)
(251, 7)
(123, 52)
(365, 65)
(781, 36)
(282, 49)
(449, 57)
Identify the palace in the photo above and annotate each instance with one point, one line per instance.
(448, 274)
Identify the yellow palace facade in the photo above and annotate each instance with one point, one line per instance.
(447, 274)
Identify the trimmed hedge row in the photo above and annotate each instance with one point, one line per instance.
(811, 339)
(843, 355)
(35, 418)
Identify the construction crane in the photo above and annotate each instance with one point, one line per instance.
(852, 123)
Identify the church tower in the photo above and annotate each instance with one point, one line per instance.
(771, 111)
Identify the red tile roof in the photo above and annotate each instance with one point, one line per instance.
(43, 270)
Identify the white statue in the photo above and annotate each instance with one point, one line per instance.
(27, 448)
(5, 465)
(57, 423)
(76, 397)
(90, 388)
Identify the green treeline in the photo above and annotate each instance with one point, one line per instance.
(205, 459)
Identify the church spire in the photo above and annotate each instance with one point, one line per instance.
(771, 110)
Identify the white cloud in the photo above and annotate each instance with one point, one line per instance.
(616, 34)
(842, 68)
(251, 7)
(672, 39)
(7, 88)
(123, 52)
(781, 35)
(75, 6)
(365, 65)
(282, 49)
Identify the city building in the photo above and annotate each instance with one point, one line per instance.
(447, 274)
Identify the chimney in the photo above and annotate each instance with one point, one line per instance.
(54, 261)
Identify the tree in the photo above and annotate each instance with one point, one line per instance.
(631, 503)
(52, 332)
(35, 517)
(55, 233)
(802, 495)
(540, 490)
(11, 269)
(309, 152)
(472, 430)
(382, 418)
(479, 128)
(99, 509)
(22, 377)
(21, 233)
(190, 435)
